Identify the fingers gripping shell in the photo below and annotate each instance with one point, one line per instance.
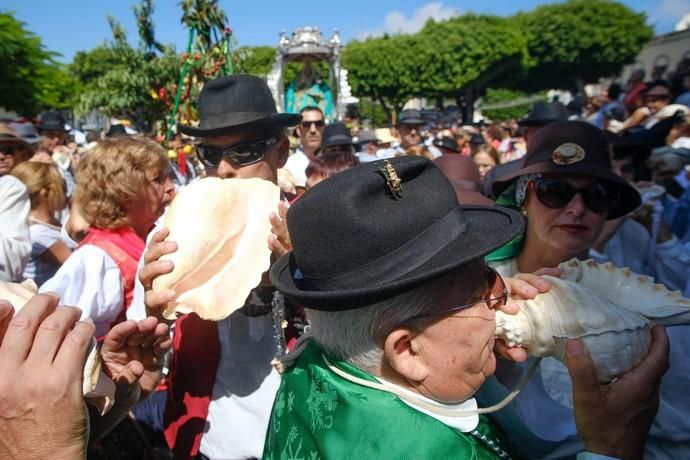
(610, 309)
(97, 388)
(221, 227)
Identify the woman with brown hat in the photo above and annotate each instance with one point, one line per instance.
(567, 191)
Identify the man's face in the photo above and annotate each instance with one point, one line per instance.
(658, 101)
(458, 348)
(267, 168)
(11, 154)
(624, 167)
(409, 135)
(310, 130)
(53, 139)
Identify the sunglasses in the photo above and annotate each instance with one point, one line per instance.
(317, 123)
(496, 296)
(241, 154)
(9, 149)
(556, 194)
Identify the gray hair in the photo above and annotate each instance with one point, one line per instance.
(357, 336)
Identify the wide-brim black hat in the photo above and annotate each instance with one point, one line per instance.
(573, 148)
(622, 148)
(361, 236)
(447, 143)
(544, 113)
(229, 105)
(52, 120)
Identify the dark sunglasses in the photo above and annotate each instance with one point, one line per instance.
(496, 295)
(242, 154)
(318, 124)
(556, 194)
(9, 149)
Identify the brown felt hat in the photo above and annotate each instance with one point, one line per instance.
(463, 173)
(573, 148)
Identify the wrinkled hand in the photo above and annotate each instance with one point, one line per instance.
(156, 301)
(614, 419)
(523, 286)
(133, 353)
(279, 239)
(42, 410)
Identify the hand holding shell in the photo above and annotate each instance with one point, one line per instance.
(610, 309)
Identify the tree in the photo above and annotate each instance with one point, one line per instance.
(118, 79)
(255, 60)
(385, 70)
(465, 54)
(580, 41)
(30, 79)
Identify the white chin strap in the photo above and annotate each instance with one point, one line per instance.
(419, 402)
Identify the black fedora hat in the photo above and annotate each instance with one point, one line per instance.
(336, 134)
(411, 117)
(52, 120)
(361, 236)
(544, 113)
(116, 131)
(446, 142)
(228, 105)
(573, 147)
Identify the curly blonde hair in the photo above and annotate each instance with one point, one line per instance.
(112, 174)
(42, 176)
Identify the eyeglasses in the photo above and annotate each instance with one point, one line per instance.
(242, 154)
(496, 296)
(9, 149)
(556, 194)
(317, 123)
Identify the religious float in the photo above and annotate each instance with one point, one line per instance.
(331, 93)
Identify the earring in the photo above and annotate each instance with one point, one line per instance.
(524, 212)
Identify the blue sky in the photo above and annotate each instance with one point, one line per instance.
(67, 26)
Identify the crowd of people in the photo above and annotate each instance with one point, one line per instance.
(397, 247)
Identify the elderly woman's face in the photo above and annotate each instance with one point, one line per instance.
(156, 195)
(571, 229)
(458, 349)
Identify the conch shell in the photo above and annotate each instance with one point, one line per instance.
(98, 389)
(610, 309)
(221, 227)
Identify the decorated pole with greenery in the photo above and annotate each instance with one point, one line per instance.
(180, 86)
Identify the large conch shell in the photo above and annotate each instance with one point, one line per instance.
(610, 309)
(221, 227)
(98, 389)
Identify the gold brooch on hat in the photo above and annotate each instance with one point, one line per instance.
(567, 154)
(393, 182)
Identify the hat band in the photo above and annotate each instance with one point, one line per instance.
(395, 265)
(222, 120)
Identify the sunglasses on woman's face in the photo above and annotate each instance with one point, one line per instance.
(9, 149)
(556, 194)
(241, 154)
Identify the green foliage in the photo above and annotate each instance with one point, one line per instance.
(498, 95)
(373, 112)
(206, 17)
(118, 79)
(145, 27)
(255, 60)
(385, 69)
(580, 41)
(30, 79)
(469, 52)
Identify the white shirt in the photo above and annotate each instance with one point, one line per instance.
(90, 279)
(15, 243)
(245, 386)
(43, 236)
(297, 164)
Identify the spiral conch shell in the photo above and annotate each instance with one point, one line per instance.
(98, 389)
(610, 309)
(221, 227)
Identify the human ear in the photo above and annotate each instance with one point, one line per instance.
(403, 353)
